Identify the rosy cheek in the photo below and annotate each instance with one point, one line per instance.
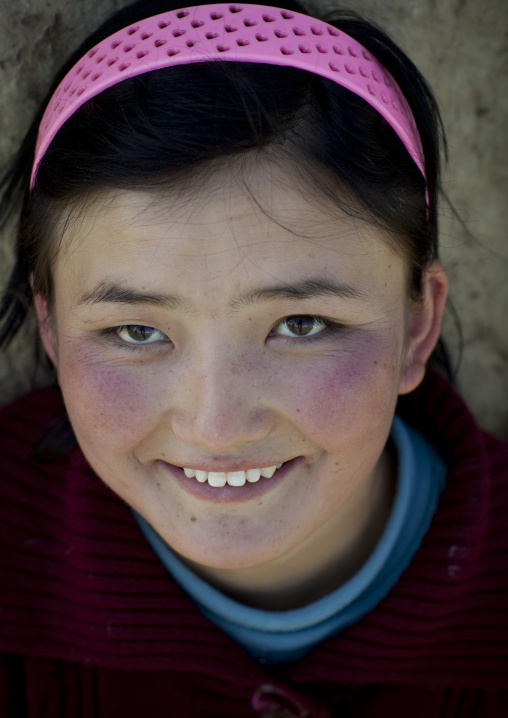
(343, 393)
(100, 396)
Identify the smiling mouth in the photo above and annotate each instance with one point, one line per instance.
(232, 478)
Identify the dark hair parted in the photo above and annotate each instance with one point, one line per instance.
(158, 129)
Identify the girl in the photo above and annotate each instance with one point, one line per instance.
(229, 238)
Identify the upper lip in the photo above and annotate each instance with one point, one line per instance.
(229, 467)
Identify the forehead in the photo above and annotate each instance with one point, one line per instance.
(238, 229)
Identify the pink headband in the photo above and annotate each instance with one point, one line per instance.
(250, 33)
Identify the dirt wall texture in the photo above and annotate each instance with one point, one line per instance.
(461, 46)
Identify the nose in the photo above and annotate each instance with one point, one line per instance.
(220, 404)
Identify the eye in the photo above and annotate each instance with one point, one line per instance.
(299, 326)
(139, 334)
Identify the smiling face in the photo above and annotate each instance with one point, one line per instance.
(212, 336)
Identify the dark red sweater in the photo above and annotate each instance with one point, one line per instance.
(91, 626)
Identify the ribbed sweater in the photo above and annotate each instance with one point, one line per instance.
(92, 626)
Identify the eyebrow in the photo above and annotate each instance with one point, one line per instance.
(308, 289)
(106, 292)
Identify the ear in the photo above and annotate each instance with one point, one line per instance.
(424, 326)
(46, 324)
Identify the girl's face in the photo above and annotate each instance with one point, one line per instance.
(224, 334)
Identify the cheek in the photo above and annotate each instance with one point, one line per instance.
(100, 395)
(344, 396)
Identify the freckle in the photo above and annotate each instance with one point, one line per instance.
(260, 503)
(192, 518)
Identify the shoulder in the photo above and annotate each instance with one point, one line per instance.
(468, 531)
(40, 404)
(23, 426)
(460, 574)
(445, 622)
(24, 422)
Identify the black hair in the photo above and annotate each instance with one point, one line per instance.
(158, 129)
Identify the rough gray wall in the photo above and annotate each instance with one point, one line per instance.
(459, 45)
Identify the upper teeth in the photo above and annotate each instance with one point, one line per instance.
(233, 478)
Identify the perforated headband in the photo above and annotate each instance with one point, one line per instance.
(244, 33)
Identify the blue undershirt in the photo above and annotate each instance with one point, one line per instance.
(283, 636)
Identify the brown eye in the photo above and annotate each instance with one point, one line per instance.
(300, 326)
(139, 334)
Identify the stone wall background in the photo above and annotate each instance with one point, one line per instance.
(461, 46)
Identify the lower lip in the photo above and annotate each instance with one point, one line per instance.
(231, 494)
